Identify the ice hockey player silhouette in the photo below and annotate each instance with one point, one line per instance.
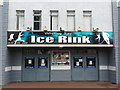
(98, 37)
(106, 37)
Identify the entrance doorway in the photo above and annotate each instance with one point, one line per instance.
(85, 67)
(59, 65)
(35, 66)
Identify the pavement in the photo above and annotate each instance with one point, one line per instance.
(61, 84)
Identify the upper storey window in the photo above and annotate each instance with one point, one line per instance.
(37, 19)
(53, 20)
(20, 19)
(70, 20)
(87, 20)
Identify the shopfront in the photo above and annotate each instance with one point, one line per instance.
(59, 64)
(58, 56)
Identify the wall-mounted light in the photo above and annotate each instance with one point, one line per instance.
(62, 30)
(95, 29)
(79, 29)
(45, 28)
(28, 29)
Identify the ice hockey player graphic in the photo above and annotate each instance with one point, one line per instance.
(11, 37)
(106, 37)
(103, 37)
(19, 39)
(98, 37)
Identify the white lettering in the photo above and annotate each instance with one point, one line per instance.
(69, 39)
(62, 39)
(85, 39)
(49, 39)
(74, 39)
(32, 39)
(40, 39)
(79, 39)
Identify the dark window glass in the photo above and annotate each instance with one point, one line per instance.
(91, 62)
(29, 62)
(36, 18)
(42, 63)
(50, 22)
(36, 25)
(78, 62)
(37, 12)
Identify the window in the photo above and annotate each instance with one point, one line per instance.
(60, 60)
(20, 19)
(91, 62)
(78, 62)
(70, 20)
(53, 20)
(87, 19)
(37, 19)
(29, 62)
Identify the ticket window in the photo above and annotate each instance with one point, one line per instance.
(42, 62)
(78, 62)
(91, 62)
(29, 62)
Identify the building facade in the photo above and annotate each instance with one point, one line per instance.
(59, 41)
(1, 43)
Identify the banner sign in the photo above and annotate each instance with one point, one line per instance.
(29, 37)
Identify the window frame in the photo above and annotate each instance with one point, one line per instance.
(52, 13)
(71, 13)
(40, 20)
(18, 14)
(88, 13)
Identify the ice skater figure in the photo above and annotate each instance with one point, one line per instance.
(106, 37)
(98, 37)
(11, 37)
(19, 38)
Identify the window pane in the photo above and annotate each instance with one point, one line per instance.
(87, 13)
(78, 62)
(36, 25)
(70, 12)
(54, 20)
(87, 23)
(87, 18)
(54, 23)
(42, 62)
(29, 62)
(20, 20)
(36, 18)
(54, 13)
(71, 23)
(70, 20)
(37, 12)
(91, 62)
(61, 58)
